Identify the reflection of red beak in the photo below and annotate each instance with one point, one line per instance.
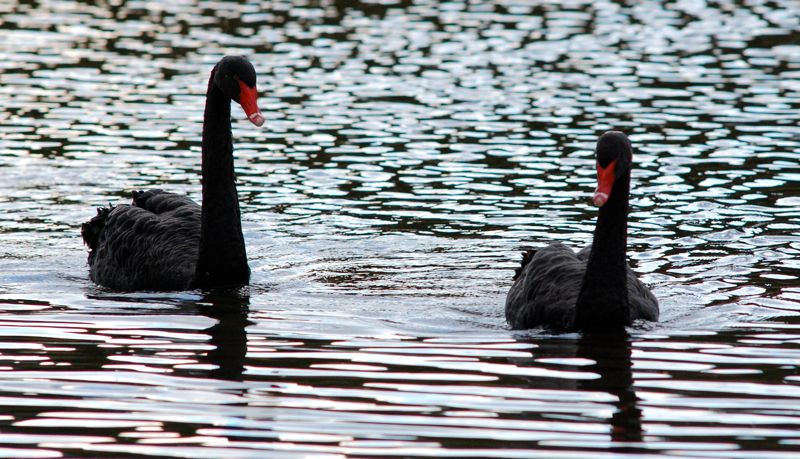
(605, 181)
(248, 98)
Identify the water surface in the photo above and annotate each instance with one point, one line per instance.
(411, 151)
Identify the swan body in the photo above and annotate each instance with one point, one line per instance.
(150, 244)
(166, 241)
(595, 288)
(542, 278)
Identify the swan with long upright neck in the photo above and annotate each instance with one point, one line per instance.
(595, 289)
(165, 241)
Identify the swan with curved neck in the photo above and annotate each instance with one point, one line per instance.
(165, 241)
(595, 289)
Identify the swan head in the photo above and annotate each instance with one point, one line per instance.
(236, 77)
(614, 156)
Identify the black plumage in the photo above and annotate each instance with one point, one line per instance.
(165, 241)
(594, 289)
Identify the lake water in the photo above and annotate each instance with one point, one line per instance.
(411, 151)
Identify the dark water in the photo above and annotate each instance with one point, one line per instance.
(410, 152)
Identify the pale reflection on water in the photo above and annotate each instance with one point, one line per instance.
(410, 152)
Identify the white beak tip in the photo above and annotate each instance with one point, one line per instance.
(600, 198)
(256, 118)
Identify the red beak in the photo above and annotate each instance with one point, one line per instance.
(248, 99)
(605, 181)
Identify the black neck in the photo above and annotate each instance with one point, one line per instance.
(603, 299)
(222, 260)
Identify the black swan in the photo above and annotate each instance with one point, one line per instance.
(595, 289)
(164, 241)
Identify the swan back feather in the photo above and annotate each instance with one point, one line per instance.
(151, 244)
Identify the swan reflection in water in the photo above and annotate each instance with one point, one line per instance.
(609, 371)
(611, 354)
(228, 336)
